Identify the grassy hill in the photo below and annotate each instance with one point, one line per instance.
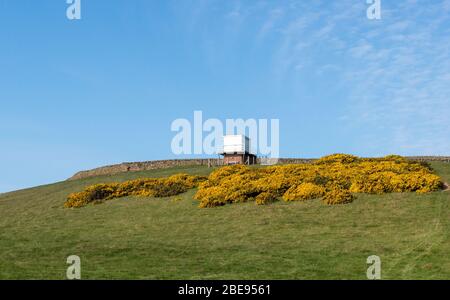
(171, 238)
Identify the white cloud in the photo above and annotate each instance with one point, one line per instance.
(274, 16)
(363, 49)
(397, 74)
(446, 6)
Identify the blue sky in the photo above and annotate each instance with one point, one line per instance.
(104, 89)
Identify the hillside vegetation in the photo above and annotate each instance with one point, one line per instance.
(334, 178)
(172, 238)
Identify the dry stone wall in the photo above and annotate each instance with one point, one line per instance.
(162, 164)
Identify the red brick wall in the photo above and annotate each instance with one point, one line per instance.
(230, 159)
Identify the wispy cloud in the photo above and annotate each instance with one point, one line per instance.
(396, 70)
(393, 74)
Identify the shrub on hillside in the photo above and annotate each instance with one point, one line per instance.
(304, 191)
(338, 196)
(337, 158)
(265, 198)
(149, 187)
(336, 178)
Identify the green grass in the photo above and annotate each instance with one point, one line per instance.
(147, 238)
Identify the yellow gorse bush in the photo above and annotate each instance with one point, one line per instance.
(338, 196)
(148, 187)
(334, 178)
(265, 198)
(304, 191)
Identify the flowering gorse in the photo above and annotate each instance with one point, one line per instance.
(147, 187)
(334, 178)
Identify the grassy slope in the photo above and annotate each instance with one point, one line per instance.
(146, 238)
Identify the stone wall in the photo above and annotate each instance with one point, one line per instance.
(162, 164)
(145, 165)
(430, 158)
